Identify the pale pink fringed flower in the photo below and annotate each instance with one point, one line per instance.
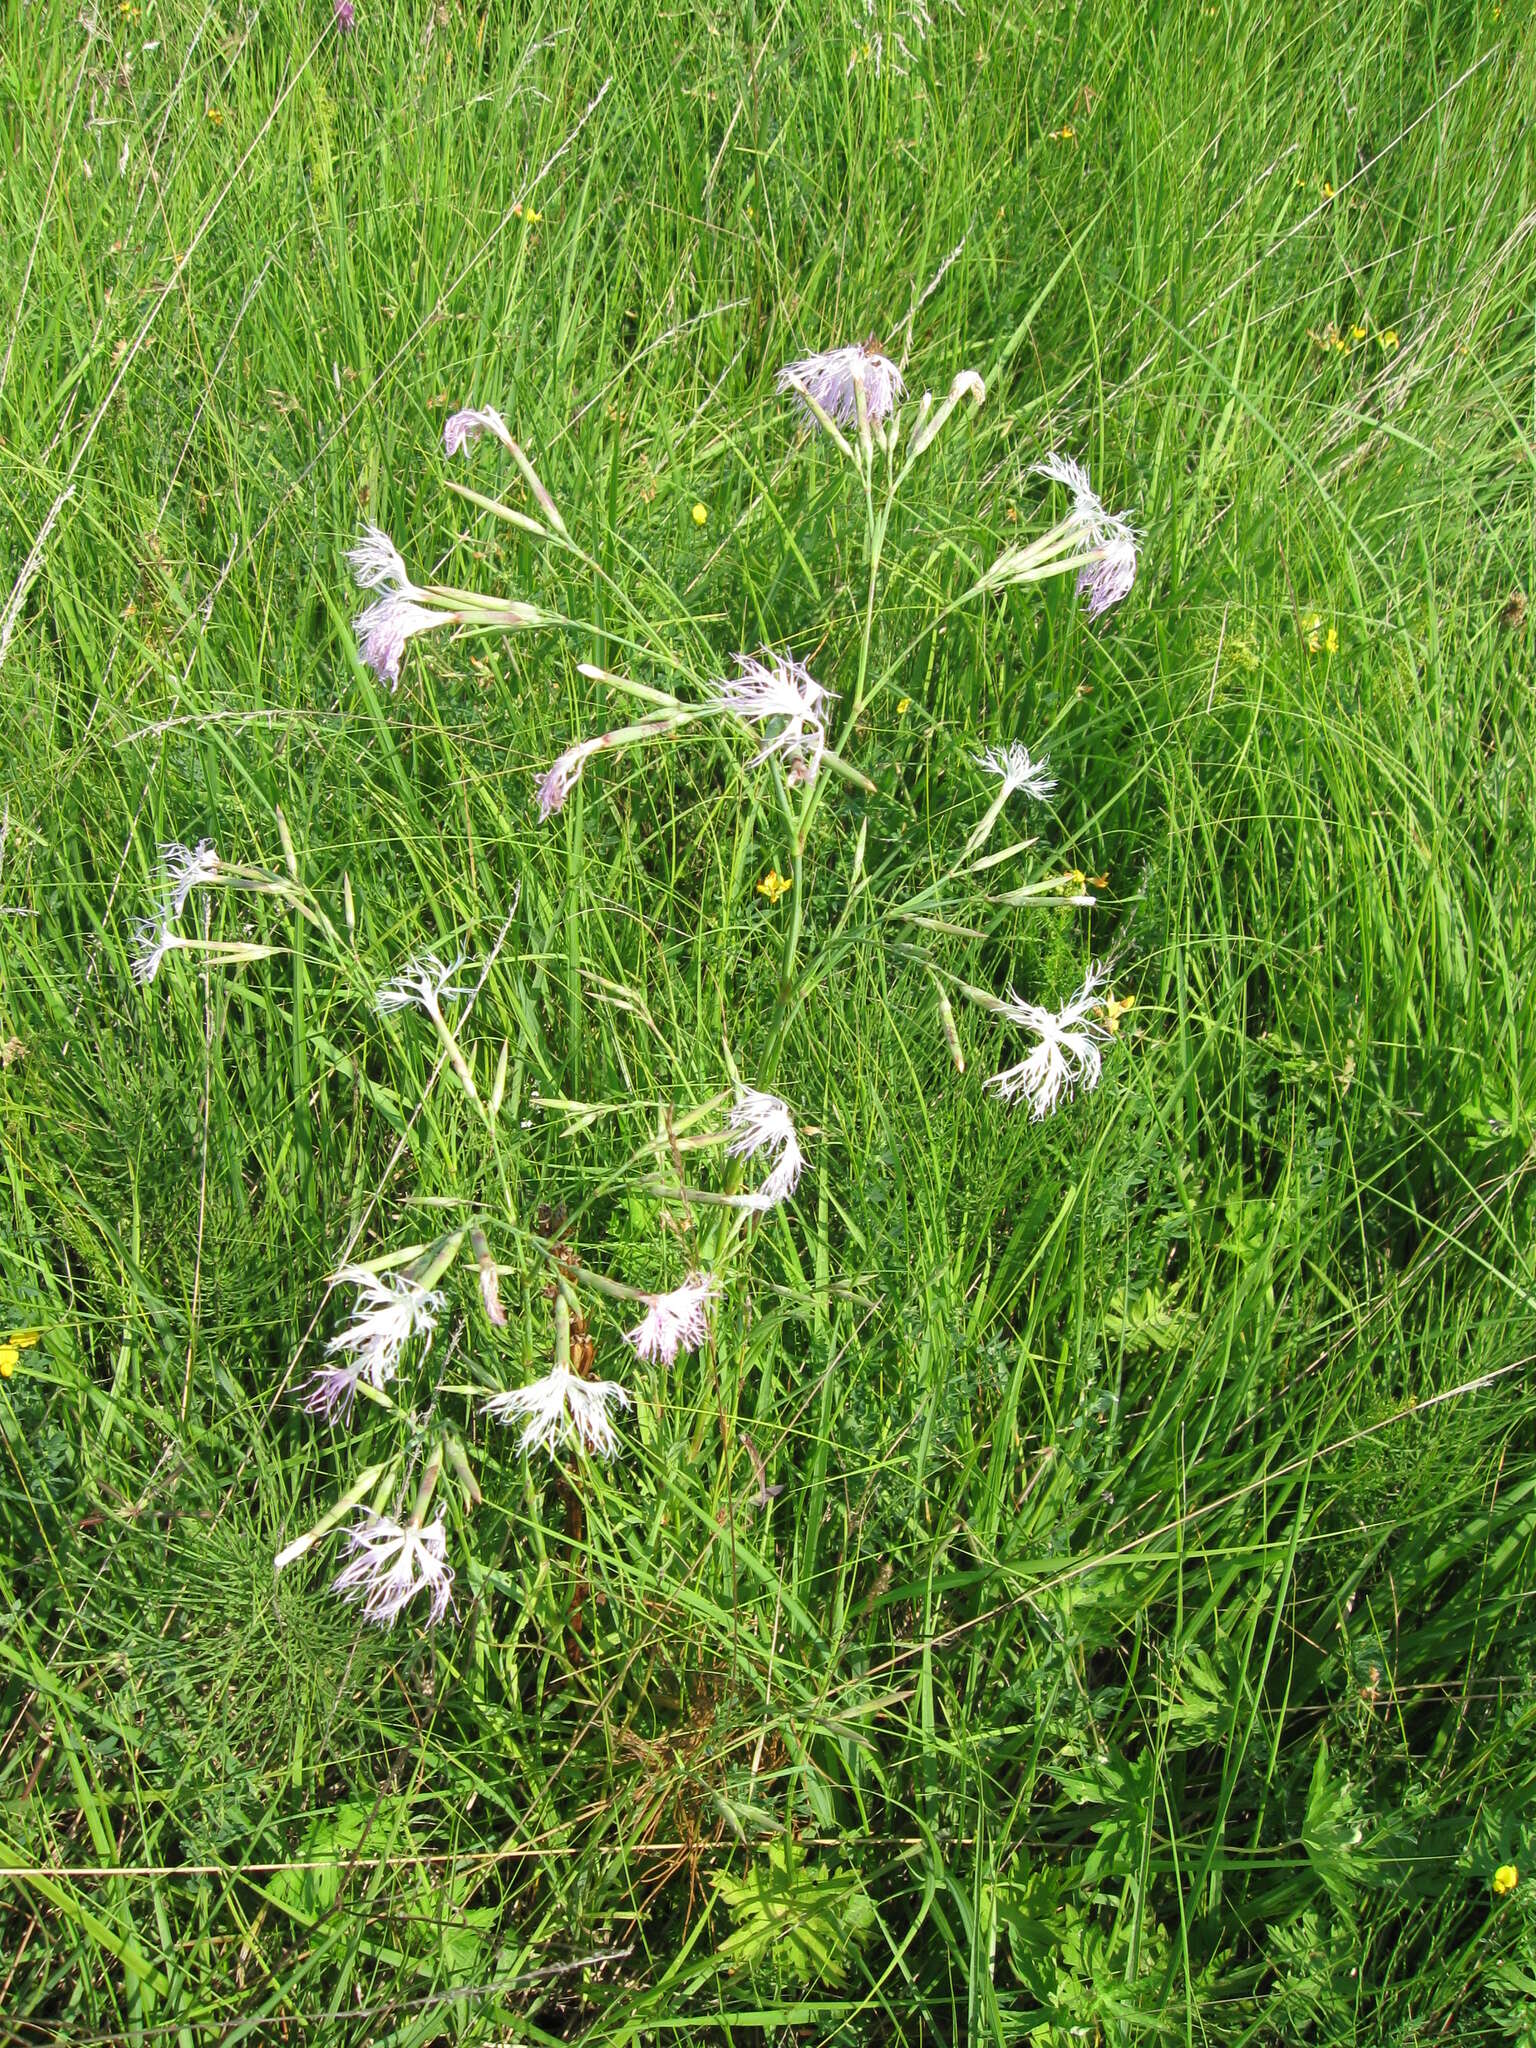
(464, 428)
(384, 628)
(390, 1310)
(775, 690)
(675, 1322)
(563, 1408)
(1104, 582)
(831, 378)
(1067, 1056)
(390, 1563)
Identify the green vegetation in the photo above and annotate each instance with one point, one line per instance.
(1139, 1643)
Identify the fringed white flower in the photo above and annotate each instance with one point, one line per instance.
(390, 1563)
(183, 869)
(152, 940)
(763, 1123)
(675, 1322)
(1067, 1056)
(1018, 770)
(464, 428)
(424, 983)
(781, 695)
(563, 1408)
(1066, 469)
(383, 630)
(390, 1310)
(832, 376)
(377, 564)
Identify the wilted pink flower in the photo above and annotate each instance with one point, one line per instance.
(832, 377)
(557, 782)
(345, 16)
(463, 429)
(675, 1322)
(1109, 579)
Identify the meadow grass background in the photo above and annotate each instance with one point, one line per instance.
(1141, 1645)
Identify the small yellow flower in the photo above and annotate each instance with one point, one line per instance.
(216, 116)
(1115, 1008)
(1357, 334)
(903, 707)
(1065, 133)
(1389, 339)
(529, 214)
(773, 885)
(23, 1340)
(1332, 641)
(1327, 189)
(1505, 1878)
(1312, 627)
(700, 514)
(8, 1358)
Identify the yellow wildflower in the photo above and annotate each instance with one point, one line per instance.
(700, 514)
(1115, 1008)
(773, 885)
(1065, 133)
(1332, 641)
(8, 1359)
(1327, 189)
(23, 1340)
(1505, 1878)
(216, 116)
(903, 707)
(1357, 334)
(1389, 339)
